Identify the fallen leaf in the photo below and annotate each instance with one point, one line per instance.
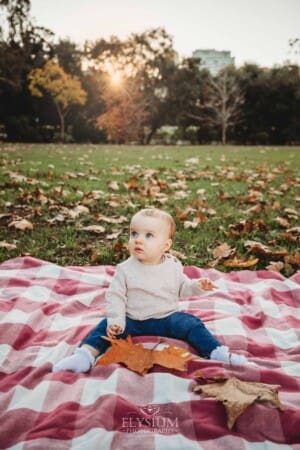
(22, 224)
(294, 230)
(119, 219)
(94, 229)
(223, 251)
(237, 395)
(177, 254)
(260, 249)
(4, 244)
(114, 185)
(292, 213)
(257, 209)
(294, 260)
(191, 223)
(113, 235)
(141, 359)
(241, 262)
(247, 226)
(78, 211)
(275, 266)
(283, 222)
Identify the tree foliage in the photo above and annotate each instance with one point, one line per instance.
(64, 89)
(152, 88)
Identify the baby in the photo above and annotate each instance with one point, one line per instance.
(143, 298)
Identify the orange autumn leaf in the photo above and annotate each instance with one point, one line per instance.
(294, 260)
(140, 359)
(240, 262)
(237, 395)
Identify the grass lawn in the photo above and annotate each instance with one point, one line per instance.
(217, 195)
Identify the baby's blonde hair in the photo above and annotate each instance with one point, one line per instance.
(158, 213)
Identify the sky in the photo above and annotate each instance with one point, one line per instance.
(255, 31)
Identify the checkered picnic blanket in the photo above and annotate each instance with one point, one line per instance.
(46, 310)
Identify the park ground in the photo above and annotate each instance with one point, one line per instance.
(235, 207)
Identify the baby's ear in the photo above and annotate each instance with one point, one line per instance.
(168, 244)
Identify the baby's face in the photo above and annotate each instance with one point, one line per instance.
(149, 239)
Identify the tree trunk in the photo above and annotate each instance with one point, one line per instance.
(62, 128)
(62, 122)
(149, 137)
(224, 133)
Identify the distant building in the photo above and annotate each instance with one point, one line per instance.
(214, 60)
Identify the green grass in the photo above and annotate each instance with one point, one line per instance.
(67, 175)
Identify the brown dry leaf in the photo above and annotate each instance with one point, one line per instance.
(291, 213)
(7, 245)
(240, 262)
(119, 219)
(183, 214)
(114, 185)
(294, 230)
(257, 209)
(247, 226)
(221, 195)
(94, 229)
(223, 251)
(260, 249)
(177, 254)
(140, 359)
(283, 222)
(294, 260)
(237, 395)
(132, 183)
(211, 212)
(21, 224)
(275, 266)
(190, 223)
(113, 235)
(78, 211)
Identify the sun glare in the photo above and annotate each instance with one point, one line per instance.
(116, 78)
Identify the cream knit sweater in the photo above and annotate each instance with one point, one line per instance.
(142, 291)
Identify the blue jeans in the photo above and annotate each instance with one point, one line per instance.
(178, 325)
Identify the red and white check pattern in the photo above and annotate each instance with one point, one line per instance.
(46, 310)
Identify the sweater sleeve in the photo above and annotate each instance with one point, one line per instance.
(116, 299)
(188, 287)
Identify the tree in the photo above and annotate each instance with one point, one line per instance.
(64, 89)
(272, 104)
(126, 114)
(69, 56)
(221, 103)
(149, 59)
(23, 47)
(185, 86)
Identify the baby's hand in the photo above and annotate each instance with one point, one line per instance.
(113, 330)
(206, 284)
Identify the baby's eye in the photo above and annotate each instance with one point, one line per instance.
(133, 234)
(149, 235)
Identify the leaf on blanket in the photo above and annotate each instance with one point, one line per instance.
(237, 395)
(140, 359)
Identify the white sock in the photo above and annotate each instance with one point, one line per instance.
(81, 361)
(223, 354)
